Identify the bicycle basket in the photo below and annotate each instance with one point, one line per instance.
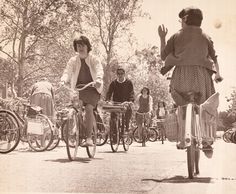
(35, 126)
(171, 127)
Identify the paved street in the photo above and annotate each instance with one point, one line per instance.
(155, 169)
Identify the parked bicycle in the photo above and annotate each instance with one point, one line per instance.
(117, 125)
(28, 126)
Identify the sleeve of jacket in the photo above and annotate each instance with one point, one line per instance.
(110, 91)
(66, 76)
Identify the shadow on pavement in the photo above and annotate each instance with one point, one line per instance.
(112, 152)
(181, 179)
(65, 160)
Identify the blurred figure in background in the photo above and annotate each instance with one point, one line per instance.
(42, 95)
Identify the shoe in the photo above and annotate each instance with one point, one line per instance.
(87, 143)
(208, 151)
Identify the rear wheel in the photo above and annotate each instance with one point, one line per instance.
(102, 135)
(9, 132)
(193, 152)
(71, 135)
(191, 160)
(114, 134)
(39, 132)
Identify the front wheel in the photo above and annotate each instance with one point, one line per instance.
(71, 129)
(152, 135)
(39, 132)
(55, 139)
(9, 132)
(114, 134)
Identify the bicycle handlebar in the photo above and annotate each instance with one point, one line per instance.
(90, 84)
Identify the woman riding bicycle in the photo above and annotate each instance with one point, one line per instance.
(145, 105)
(192, 53)
(82, 69)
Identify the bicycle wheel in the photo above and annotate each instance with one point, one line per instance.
(193, 153)
(102, 135)
(135, 135)
(72, 129)
(9, 132)
(126, 140)
(152, 135)
(55, 139)
(91, 150)
(39, 133)
(114, 134)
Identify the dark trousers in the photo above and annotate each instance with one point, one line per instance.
(128, 115)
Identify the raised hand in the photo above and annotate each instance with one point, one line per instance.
(162, 31)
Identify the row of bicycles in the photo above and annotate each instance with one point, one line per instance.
(229, 136)
(28, 124)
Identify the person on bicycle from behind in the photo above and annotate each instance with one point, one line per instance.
(42, 94)
(82, 69)
(144, 102)
(192, 53)
(121, 90)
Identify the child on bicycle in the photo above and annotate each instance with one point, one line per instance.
(192, 53)
(145, 105)
(83, 69)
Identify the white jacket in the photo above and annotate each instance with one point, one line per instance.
(71, 72)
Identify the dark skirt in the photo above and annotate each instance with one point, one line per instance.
(89, 96)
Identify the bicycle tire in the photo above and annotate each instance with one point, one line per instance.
(152, 135)
(126, 140)
(40, 142)
(9, 131)
(135, 135)
(102, 135)
(91, 150)
(193, 153)
(114, 134)
(55, 139)
(72, 129)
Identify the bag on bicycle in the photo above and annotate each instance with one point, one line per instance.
(171, 127)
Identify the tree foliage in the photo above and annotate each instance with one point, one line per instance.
(110, 21)
(32, 30)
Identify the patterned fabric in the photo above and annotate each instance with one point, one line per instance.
(191, 79)
(45, 102)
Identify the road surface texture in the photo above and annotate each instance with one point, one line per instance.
(156, 168)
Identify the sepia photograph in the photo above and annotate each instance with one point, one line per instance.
(117, 96)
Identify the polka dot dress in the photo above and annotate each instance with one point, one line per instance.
(195, 79)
